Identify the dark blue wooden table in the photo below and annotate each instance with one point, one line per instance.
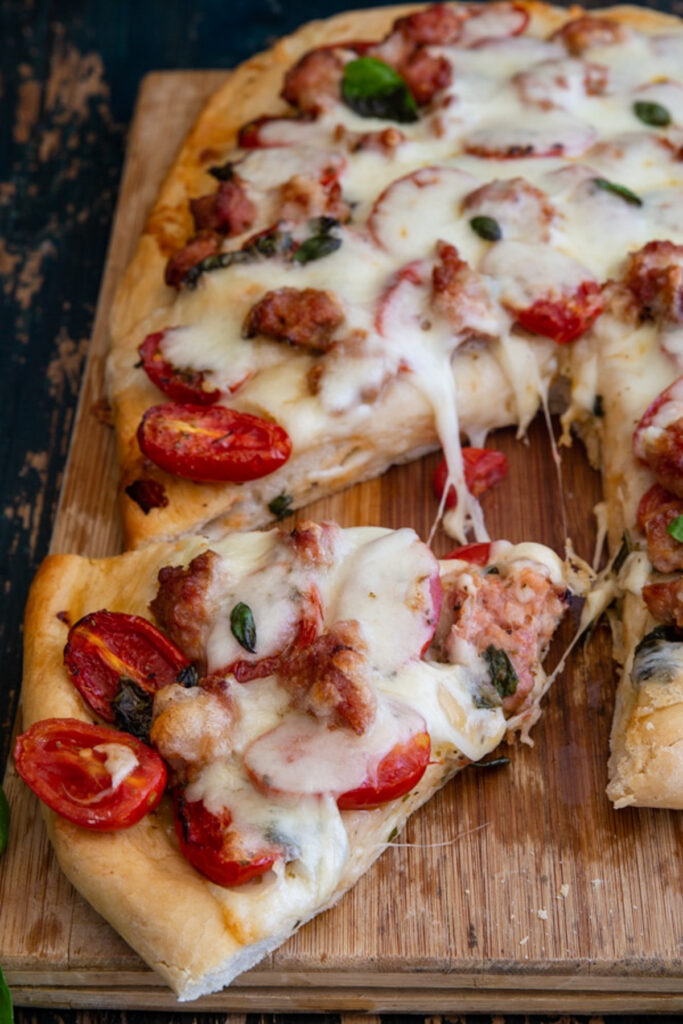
(69, 77)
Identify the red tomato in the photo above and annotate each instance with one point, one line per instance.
(483, 467)
(215, 849)
(212, 444)
(396, 774)
(105, 646)
(475, 554)
(179, 385)
(62, 761)
(563, 319)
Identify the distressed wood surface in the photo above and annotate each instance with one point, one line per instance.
(515, 889)
(70, 74)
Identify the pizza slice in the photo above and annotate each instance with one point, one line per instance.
(227, 734)
(630, 371)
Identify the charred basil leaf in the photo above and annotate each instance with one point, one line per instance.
(487, 228)
(320, 243)
(243, 626)
(653, 114)
(132, 707)
(223, 172)
(623, 552)
(501, 670)
(373, 89)
(658, 656)
(675, 529)
(495, 762)
(4, 821)
(281, 506)
(274, 243)
(618, 190)
(658, 635)
(187, 677)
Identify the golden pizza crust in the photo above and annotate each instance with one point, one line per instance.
(206, 934)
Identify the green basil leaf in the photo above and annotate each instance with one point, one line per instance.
(6, 1011)
(501, 670)
(281, 506)
(487, 228)
(4, 821)
(618, 190)
(374, 89)
(275, 243)
(653, 114)
(675, 529)
(133, 708)
(243, 626)
(316, 247)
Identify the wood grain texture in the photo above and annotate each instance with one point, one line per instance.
(516, 889)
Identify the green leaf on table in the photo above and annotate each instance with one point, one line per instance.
(6, 1011)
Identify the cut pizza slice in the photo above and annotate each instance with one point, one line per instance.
(299, 695)
(630, 368)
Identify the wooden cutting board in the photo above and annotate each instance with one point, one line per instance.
(516, 889)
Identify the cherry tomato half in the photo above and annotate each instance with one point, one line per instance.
(396, 774)
(68, 764)
(105, 646)
(215, 849)
(212, 443)
(181, 385)
(476, 554)
(483, 467)
(564, 319)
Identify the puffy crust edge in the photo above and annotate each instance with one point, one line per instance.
(646, 762)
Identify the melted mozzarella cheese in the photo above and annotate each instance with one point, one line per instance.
(303, 755)
(386, 585)
(119, 761)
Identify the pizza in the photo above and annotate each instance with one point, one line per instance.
(401, 229)
(398, 230)
(228, 729)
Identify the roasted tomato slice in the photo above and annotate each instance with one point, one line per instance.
(104, 647)
(212, 444)
(395, 775)
(92, 775)
(475, 554)
(181, 385)
(564, 319)
(218, 851)
(484, 467)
